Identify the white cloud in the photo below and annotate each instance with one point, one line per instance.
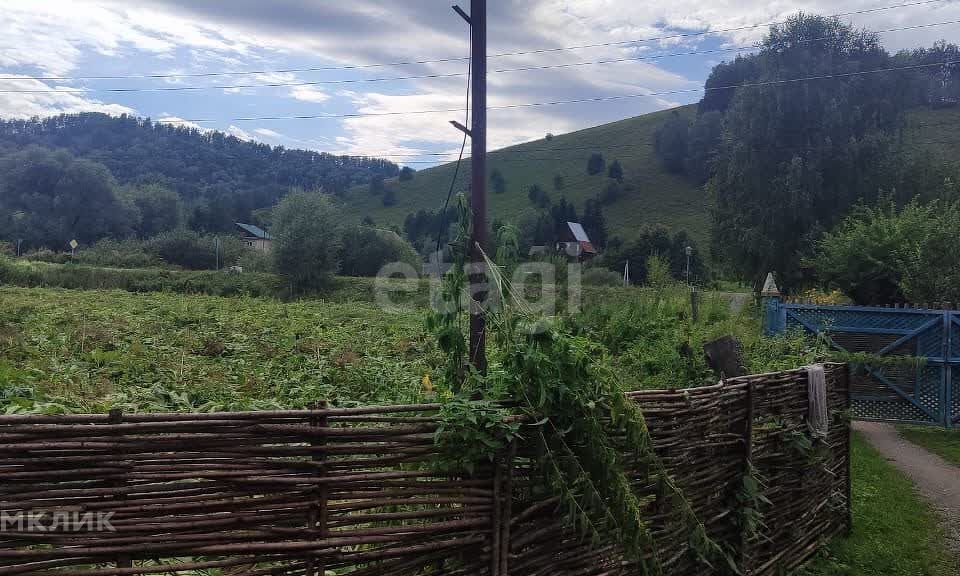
(268, 133)
(22, 103)
(177, 121)
(238, 132)
(309, 94)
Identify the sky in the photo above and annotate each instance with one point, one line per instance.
(348, 61)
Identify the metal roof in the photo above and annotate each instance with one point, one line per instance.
(254, 231)
(578, 232)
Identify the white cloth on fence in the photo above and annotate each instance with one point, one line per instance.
(818, 419)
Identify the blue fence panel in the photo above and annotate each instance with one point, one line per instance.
(927, 392)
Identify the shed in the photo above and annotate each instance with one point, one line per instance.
(255, 237)
(575, 241)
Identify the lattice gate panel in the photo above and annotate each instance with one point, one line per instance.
(924, 392)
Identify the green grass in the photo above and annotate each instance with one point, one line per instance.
(895, 533)
(658, 197)
(945, 443)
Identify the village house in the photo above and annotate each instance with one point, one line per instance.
(255, 237)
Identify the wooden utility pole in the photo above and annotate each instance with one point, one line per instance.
(477, 20)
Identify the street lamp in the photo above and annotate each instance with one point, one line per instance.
(689, 251)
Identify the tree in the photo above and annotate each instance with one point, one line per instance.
(594, 223)
(561, 213)
(703, 141)
(389, 196)
(307, 232)
(160, 209)
(615, 171)
(406, 174)
(377, 186)
(537, 196)
(194, 251)
(670, 142)
(498, 182)
(558, 182)
(53, 198)
(793, 162)
(595, 164)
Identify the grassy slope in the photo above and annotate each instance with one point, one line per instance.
(658, 197)
(894, 533)
(945, 443)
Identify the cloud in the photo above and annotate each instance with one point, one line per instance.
(25, 104)
(309, 94)
(58, 36)
(177, 121)
(238, 132)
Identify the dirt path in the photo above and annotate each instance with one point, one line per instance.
(937, 480)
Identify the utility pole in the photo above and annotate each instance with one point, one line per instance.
(477, 19)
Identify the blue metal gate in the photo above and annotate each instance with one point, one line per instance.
(925, 393)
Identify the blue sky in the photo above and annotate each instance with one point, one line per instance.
(71, 38)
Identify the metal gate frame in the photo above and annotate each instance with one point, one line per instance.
(930, 334)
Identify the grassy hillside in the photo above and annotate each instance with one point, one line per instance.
(656, 198)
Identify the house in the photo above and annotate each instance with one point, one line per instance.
(575, 242)
(255, 237)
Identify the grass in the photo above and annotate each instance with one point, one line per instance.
(658, 197)
(895, 533)
(944, 443)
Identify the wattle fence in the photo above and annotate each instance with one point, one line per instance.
(353, 491)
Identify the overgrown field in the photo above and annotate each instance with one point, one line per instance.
(89, 350)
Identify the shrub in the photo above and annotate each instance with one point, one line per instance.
(307, 231)
(881, 255)
(127, 253)
(615, 171)
(365, 251)
(498, 182)
(256, 261)
(406, 174)
(194, 251)
(601, 277)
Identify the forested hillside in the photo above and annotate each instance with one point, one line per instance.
(219, 178)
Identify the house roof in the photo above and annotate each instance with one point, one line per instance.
(254, 231)
(578, 232)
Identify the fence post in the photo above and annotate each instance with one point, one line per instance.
(317, 515)
(496, 528)
(770, 296)
(507, 498)
(116, 417)
(751, 400)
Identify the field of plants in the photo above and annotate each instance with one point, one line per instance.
(89, 350)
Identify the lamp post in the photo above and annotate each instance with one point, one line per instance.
(689, 251)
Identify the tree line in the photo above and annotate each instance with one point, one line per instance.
(783, 163)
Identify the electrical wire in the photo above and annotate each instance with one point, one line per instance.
(463, 145)
(572, 101)
(460, 58)
(434, 76)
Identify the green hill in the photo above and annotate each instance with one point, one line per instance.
(653, 197)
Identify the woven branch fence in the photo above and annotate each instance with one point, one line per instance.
(352, 490)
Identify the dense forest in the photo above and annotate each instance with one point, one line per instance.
(784, 161)
(88, 175)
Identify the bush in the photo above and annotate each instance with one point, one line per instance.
(882, 255)
(406, 174)
(256, 261)
(75, 276)
(601, 277)
(366, 250)
(194, 251)
(127, 253)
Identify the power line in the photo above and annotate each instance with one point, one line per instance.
(563, 102)
(437, 76)
(458, 58)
